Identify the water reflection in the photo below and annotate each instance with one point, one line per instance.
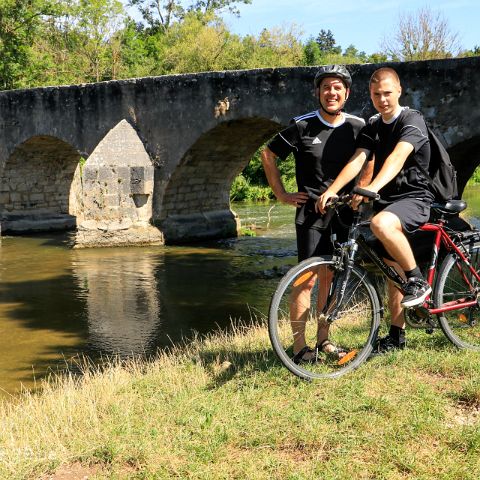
(122, 307)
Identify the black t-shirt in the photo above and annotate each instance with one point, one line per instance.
(381, 138)
(321, 150)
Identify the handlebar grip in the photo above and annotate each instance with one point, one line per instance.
(366, 193)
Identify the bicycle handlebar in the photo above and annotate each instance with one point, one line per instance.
(345, 199)
(366, 193)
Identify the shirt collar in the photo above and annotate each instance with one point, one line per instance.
(331, 125)
(388, 122)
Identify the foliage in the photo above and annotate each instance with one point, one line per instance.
(20, 21)
(161, 15)
(475, 178)
(326, 43)
(252, 184)
(423, 35)
(323, 50)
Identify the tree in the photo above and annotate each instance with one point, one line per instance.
(216, 6)
(159, 15)
(423, 35)
(20, 20)
(326, 43)
(311, 52)
(97, 25)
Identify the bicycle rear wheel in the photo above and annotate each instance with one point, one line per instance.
(295, 305)
(455, 282)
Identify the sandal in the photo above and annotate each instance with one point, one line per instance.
(305, 355)
(336, 354)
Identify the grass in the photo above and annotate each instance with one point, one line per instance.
(223, 408)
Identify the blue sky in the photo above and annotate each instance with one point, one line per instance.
(359, 22)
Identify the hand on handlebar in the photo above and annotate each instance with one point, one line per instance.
(357, 200)
(322, 203)
(358, 196)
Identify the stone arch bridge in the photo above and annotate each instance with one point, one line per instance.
(160, 153)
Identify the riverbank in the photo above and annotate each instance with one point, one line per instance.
(223, 408)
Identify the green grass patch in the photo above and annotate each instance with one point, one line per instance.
(224, 408)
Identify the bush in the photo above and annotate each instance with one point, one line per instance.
(475, 178)
(252, 184)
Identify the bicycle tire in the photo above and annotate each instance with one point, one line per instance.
(461, 327)
(355, 329)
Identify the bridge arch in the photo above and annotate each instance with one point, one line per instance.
(466, 158)
(196, 197)
(36, 186)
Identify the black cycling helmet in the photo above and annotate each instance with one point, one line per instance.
(338, 71)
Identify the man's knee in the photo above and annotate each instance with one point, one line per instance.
(384, 224)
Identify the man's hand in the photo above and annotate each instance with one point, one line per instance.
(321, 204)
(295, 199)
(358, 199)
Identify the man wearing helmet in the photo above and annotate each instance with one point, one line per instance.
(322, 142)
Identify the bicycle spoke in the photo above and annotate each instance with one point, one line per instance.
(354, 327)
(454, 284)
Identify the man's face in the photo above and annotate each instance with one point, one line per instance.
(332, 94)
(385, 96)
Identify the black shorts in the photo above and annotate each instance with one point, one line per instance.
(412, 212)
(312, 242)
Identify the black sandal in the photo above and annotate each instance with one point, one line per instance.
(299, 357)
(335, 354)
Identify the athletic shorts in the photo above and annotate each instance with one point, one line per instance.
(412, 212)
(312, 242)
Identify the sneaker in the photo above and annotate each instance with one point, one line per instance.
(385, 345)
(416, 291)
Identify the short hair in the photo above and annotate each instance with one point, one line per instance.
(381, 73)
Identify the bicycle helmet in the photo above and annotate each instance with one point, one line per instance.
(338, 71)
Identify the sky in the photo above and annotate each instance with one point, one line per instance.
(359, 22)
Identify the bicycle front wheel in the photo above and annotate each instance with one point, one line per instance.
(296, 311)
(457, 283)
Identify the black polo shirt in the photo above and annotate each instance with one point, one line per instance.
(320, 149)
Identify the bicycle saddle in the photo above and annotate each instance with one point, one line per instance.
(452, 206)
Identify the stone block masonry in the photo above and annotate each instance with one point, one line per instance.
(114, 193)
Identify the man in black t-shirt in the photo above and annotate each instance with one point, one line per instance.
(322, 142)
(396, 140)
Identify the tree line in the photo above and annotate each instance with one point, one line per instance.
(55, 42)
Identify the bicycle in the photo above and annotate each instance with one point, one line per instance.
(350, 304)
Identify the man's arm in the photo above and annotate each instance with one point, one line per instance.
(392, 166)
(269, 161)
(348, 173)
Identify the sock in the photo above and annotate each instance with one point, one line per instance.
(397, 334)
(416, 272)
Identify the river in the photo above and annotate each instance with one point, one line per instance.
(57, 303)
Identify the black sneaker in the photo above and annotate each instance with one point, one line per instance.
(416, 291)
(385, 345)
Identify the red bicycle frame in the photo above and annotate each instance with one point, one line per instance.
(442, 237)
